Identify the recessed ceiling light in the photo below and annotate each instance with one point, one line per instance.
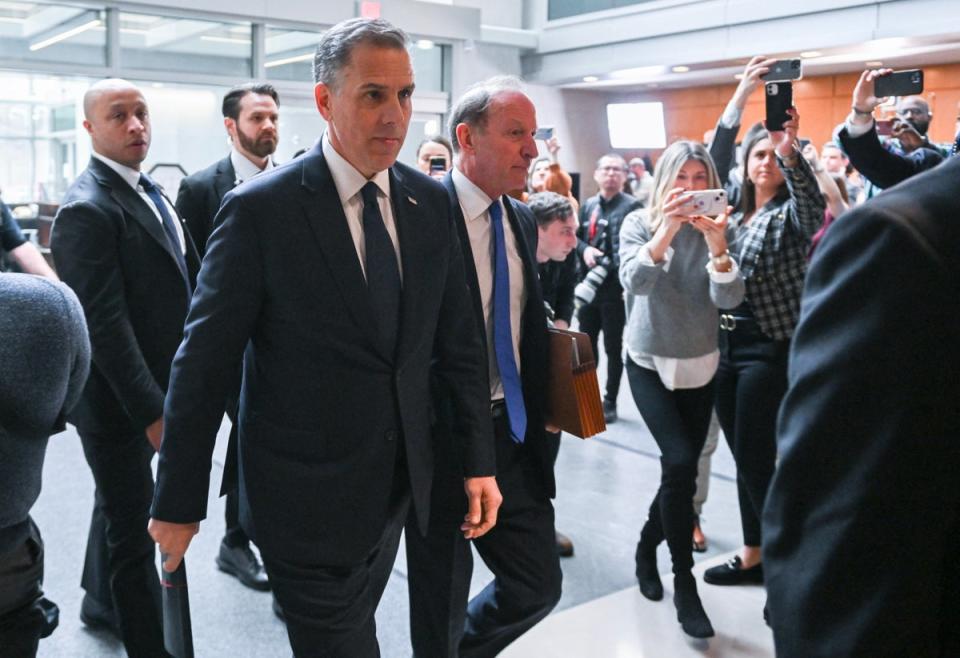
(810, 54)
(873, 64)
(425, 44)
(681, 69)
(590, 78)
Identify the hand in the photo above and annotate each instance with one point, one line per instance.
(714, 231)
(551, 429)
(172, 539)
(863, 94)
(674, 208)
(561, 324)
(483, 501)
(909, 138)
(757, 66)
(591, 255)
(810, 155)
(784, 140)
(553, 147)
(155, 433)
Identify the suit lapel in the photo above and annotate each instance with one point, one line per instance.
(225, 179)
(324, 214)
(414, 259)
(469, 265)
(133, 204)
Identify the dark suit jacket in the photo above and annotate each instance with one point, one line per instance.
(323, 408)
(109, 247)
(883, 167)
(200, 197)
(533, 341)
(863, 514)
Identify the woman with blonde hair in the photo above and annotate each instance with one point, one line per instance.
(676, 271)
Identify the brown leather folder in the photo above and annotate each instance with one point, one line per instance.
(573, 392)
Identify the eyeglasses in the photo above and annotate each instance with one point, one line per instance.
(609, 169)
(910, 111)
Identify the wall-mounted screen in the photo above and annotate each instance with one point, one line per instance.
(636, 125)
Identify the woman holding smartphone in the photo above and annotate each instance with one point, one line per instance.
(676, 271)
(781, 208)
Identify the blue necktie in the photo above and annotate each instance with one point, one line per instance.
(168, 226)
(502, 331)
(383, 274)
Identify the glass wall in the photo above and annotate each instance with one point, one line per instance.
(183, 65)
(40, 33)
(566, 8)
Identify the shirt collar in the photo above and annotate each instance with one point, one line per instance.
(132, 176)
(346, 178)
(243, 169)
(473, 200)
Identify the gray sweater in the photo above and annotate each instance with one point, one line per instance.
(44, 362)
(672, 312)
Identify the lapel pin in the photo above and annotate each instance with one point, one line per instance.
(412, 200)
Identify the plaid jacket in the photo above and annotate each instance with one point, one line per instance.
(773, 248)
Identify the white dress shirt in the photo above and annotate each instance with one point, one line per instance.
(243, 169)
(349, 182)
(475, 205)
(132, 177)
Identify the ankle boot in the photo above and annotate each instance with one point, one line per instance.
(693, 619)
(648, 577)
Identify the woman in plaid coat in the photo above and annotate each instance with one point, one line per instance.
(781, 208)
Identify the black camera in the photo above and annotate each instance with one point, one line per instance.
(586, 290)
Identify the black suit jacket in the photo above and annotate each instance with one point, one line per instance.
(322, 408)
(200, 196)
(111, 249)
(533, 335)
(863, 514)
(880, 166)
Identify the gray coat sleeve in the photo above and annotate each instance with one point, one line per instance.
(636, 277)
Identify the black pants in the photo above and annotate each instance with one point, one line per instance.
(124, 481)
(751, 383)
(610, 316)
(233, 535)
(329, 611)
(520, 551)
(678, 421)
(21, 579)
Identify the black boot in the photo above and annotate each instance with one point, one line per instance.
(690, 611)
(648, 577)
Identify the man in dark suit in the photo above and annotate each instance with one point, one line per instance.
(339, 278)
(863, 512)
(250, 115)
(492, 129)
(118, 242)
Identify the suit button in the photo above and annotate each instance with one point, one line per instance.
(390, 435)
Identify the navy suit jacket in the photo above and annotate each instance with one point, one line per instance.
(109, 247)
(200, 196)
(323, 408)
(863, 514)
(533, 341)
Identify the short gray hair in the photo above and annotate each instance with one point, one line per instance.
(333, 51)
(473, 106)
(612, 156)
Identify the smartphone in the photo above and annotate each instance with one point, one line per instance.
(804, 143)
(438, 163)
(885, 127)
(899, 83)
(779, 100)
(783, 70)
(705, 202)
(544, 133)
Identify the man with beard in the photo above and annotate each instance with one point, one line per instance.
(885, 165)
(250, 117)
(250, 114)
